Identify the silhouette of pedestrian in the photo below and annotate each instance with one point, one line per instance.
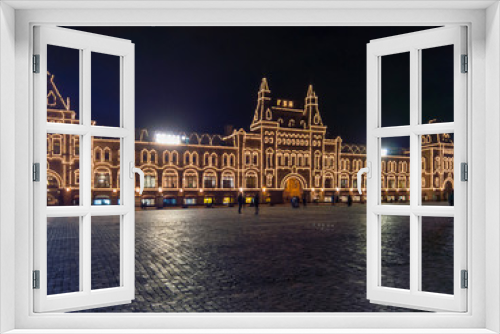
(240, 202)
(304, 200)
(349, 200)
(256, 203)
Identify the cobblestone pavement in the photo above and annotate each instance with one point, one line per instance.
(283, 260)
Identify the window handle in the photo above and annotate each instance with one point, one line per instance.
(134, 170)
(368, 171)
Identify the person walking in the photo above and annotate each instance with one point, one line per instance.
(349, 200)
(240, 202)
(256, 203)
(304, 200)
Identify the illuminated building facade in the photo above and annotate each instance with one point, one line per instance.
(284, 154)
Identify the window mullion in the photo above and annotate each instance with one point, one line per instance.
(414, 170)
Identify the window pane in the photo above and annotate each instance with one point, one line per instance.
(437, 166)
(437, 254)
(63, 170)
(395, 242)
(106, 171)
(437, 84)
(63, 255)
(63, 85)
(105, 252)
(105, 93)
(395, 170)
(395, 94)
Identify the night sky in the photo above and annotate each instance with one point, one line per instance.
(198, 79)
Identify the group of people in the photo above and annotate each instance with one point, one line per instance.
(295, 201)
(255, 201)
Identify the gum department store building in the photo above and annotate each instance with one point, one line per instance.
(285, 154)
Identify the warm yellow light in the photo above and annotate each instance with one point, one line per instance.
(181, 190)
(322, 189)
(264, 189)
(137, 189)
(337, 189)
(114, 190)
(160, 190)
(201, 190)
(68, 189)
(241, 190)
(312, 189)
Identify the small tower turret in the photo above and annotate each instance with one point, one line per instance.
(263, 102)
(311, 110)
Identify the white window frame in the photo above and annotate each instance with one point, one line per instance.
(484, 212)
(85, 43)
(414, 44)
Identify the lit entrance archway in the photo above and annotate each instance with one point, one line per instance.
(293, 187)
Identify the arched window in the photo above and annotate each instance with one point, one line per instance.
(77, 177)
(205, 159)
(344, 181)
(194, 158)
(300, 159)
(279, 156)
(153, 157)
(98, 154)
(251, 180)
(255, 158)
(102, 178)
(402, 182)
(170, 179)
(174, 157)
(317, 159)
(209, 180)
(287, 160)
(190, 179)
(149, 179)
(77, 147)
(269, 180)
(224, 159)
(187, 156)
(247, 158)
(56, 146)
(166, 157)
(233, 160)
(269, 158)
(227, 180)
(437, 163)
(328, 181)
(144, 156)
(107, 154)
(213, 159)
(293, 159)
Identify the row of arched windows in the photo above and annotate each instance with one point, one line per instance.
(293, 159)
(188, 158)
(393, 167)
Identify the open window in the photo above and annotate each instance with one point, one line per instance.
(401, 124)
(71, 225)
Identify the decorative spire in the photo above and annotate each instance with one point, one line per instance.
(264, 85)
(310, 92)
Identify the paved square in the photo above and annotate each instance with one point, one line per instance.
(309, 259)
